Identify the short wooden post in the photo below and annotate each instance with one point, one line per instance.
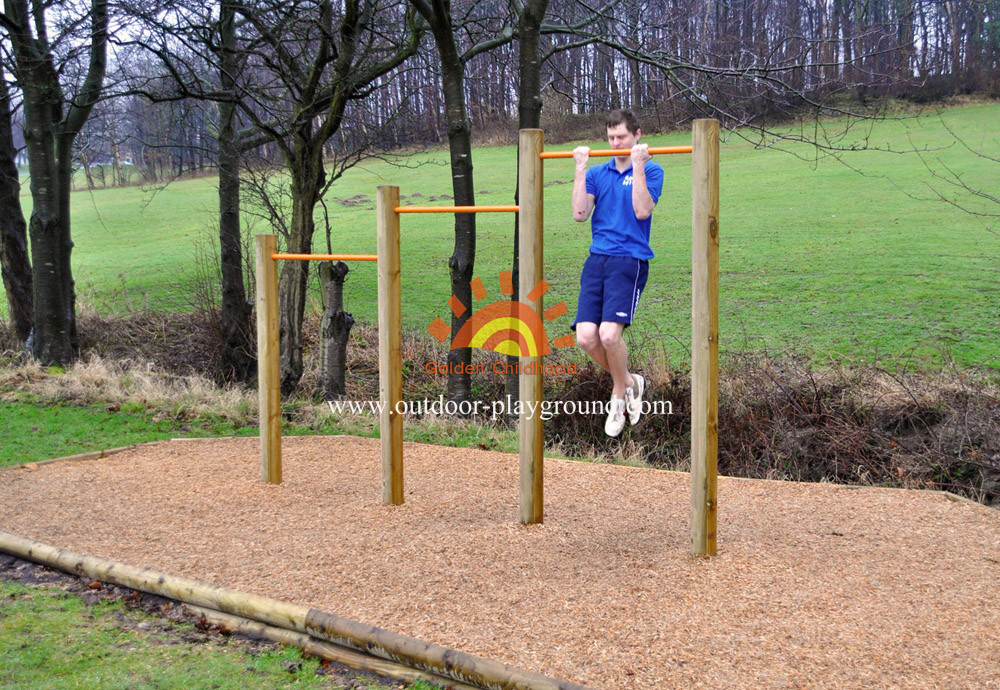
(704, 335)
(268, 380)
(530, 222)
(390, 345)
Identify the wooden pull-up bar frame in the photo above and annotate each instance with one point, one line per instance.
(704, 328)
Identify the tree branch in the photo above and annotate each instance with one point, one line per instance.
(90, 91)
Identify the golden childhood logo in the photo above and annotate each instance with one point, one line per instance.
(508, 327)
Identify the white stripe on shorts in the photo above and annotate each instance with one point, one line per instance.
(635, 290)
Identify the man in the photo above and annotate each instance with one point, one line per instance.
(621, 194)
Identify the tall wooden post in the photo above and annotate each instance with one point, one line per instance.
(704, 335)
(530, 267)
(268, 379)
(390, 345)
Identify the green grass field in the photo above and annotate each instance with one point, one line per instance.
(34, 430)
(816, 258)
(51, 639)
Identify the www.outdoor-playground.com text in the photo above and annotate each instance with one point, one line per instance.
(496, 408)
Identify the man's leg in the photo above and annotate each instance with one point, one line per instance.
(615, 354)
(589, 309)
(588, 337)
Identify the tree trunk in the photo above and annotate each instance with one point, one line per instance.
(795, 44)
(463, 258)
(847, 25)
(292, 296)
(14, 264)
(87, 172)
(51, 125)
(68, 285)
(636, 85)
(307, 180)
(336, 330)
(955, 43)
(462, 261)
(607, 84)
(529, 116)
(52, 341)
(238, 357)
(119, 174)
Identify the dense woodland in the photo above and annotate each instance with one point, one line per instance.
(673, 59)
(115, 92)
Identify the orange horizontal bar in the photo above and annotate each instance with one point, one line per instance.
(324, 257)
(653, 151)
(456, 209)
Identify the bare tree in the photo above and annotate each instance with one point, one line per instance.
(199, 62)
(311, 60)
(43, 66)
(453, 60)
(291, 70)
(236, 313)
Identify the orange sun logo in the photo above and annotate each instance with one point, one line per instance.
(507, 327)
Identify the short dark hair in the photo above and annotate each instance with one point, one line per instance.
(626, 117)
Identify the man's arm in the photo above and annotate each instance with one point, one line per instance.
(583, 203)
(642, 201)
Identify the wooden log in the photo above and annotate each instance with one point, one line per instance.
(451, 663)
(390, 344)
(92, 455)
(704, 335)
(961, 499)
(268, 369)
(530, 271)
(322, 649)
(258, 608)
(482, 673)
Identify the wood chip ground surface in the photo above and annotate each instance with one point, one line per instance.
(815, 585)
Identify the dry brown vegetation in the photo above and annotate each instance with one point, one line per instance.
(778, 417)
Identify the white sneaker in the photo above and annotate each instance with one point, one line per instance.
(616, 417)
(633, 399)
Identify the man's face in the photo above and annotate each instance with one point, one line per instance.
(620, 138)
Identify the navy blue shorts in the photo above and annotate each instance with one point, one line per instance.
(610, 287)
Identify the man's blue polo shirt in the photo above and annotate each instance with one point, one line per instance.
(616, 230)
